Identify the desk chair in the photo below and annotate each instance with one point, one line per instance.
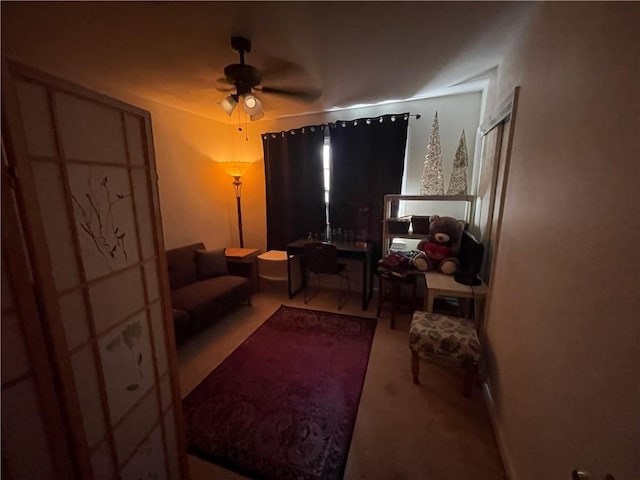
(322, 259)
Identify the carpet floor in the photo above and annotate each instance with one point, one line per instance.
(402, 432)
(283, 404)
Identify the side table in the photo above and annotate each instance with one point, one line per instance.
(441, 285)
(245, 255)
(390, 290)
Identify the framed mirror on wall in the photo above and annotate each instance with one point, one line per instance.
(497, 134)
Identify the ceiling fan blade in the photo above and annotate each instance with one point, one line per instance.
(224, 85)
(307, 95)
(275, 67)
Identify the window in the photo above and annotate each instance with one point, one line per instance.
(326, 170)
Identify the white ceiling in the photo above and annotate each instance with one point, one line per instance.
(173, 52)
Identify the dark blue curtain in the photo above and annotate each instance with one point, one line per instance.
(294, 185)
(367, 163)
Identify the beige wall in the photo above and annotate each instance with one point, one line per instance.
(196, 196)
(197, 199)
(564, 315)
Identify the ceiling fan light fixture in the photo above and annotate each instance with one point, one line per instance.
(246, 78)
(250, 101)
(228, 104)
(252, 105)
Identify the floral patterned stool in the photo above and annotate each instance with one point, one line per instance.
(436, 335)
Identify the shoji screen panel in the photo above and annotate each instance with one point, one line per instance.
(34, 443)
(27, 454)
(89, 162)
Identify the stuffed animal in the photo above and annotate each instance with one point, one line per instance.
(442, 245)
(421, 262)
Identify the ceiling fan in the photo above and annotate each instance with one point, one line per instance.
(244, 79)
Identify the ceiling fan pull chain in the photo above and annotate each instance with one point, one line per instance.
(246, 128)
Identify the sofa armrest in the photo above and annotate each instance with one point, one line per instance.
(240, 269)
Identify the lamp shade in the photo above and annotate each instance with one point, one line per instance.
(228, 104)
(257, 116)
(252, 105)
(235, 169)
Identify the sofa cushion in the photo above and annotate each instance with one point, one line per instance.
(211, 263)
(207, 299)
(181, 265)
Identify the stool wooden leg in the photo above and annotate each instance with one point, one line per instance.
(415, 367)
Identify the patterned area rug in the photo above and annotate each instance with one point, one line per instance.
(284, 403)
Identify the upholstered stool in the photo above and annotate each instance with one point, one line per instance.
(390, 290)
(436, 335)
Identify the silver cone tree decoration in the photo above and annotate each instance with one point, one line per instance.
(432, 181)
(458, 182)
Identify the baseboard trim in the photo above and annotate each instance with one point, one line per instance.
(497, 432)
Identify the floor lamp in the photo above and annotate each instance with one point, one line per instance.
(237, 170)
(237, 186)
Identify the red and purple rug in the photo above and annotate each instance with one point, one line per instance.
(284, 403)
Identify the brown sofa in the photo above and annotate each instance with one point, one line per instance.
(204, 286)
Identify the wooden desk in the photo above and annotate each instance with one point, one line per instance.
(345, 250)
(245, 255)
(441, 285)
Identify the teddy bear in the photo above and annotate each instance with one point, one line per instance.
(442, 245)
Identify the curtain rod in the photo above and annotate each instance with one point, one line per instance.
(368, 120)
(416, 115)
(323, 125)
